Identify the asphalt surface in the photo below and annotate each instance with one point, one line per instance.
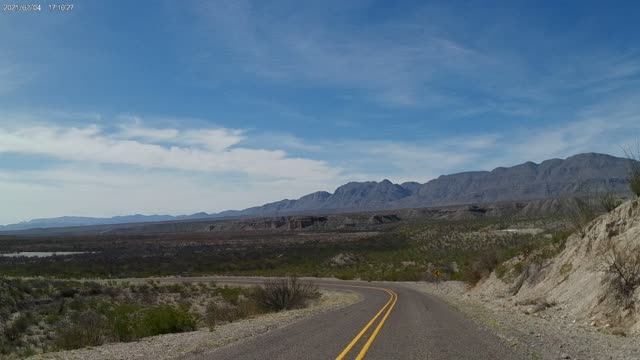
(419, 326)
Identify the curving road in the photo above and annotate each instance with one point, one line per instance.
(409, 325)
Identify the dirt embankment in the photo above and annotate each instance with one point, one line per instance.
(582, 303)
(595, 278)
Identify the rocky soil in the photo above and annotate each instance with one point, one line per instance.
(536, 330)
(174, 346)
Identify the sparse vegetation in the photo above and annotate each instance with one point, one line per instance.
(72, 314)
(463, 249)
(622, 268)
(43, 315)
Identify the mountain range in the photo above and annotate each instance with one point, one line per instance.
(577, 175)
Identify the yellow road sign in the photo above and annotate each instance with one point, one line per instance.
(437, 273)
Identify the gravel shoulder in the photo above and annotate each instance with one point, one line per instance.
(548, 333)
(173, 346)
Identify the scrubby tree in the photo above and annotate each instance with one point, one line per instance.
(609, 201)
(579, 212)
(285, 293)
(622, 271)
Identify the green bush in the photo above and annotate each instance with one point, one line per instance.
(88, 328)
(165, 319)
(230, 294)
(122, 321)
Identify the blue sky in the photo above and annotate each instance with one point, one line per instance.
(185, 106)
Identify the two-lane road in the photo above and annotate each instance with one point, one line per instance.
(392, 322)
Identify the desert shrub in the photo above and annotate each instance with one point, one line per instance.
(502, 270)
(634, 181)
(565, 269)
(122, 321)
(345, 275)
(247, 308)
(609, 201)
(411, 274)
(285, 293)
(213, 315)
(230, 294)
(634, 170)
(52, 318)
(216, 313)
(559, 237)
(622, 270)
(518, 268)
(579, 213)
(480, 266)
(88, 328)
(19, 326)
(93, 288)
(78, 304)
(68, 292)
(165, 319)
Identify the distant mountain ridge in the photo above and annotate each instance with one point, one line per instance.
(528, 181)
(67, 221)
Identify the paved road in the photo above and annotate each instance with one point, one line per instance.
(412, 325)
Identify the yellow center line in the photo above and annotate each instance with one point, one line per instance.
(364, 330)
(388, 307)
(366, 347)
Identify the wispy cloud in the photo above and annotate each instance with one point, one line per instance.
(293, 47)
(13, 76)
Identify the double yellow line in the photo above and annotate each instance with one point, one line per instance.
(386, 309)
(393, 298)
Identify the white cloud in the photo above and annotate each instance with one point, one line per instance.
(203, 150)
